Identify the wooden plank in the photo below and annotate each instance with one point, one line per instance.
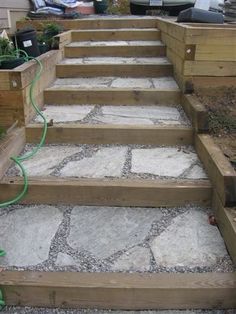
(111, 134)
(205, 82)
(217, 52)
(121, 70)
(196, 112)
(185, 52)
(4, 80)
(111, 96)
(209, 68)
(63, 39)
(10, 145)
(178, 62)
(109, 23)
(172, 28)
(226, 221)
(115, 51)
(116, 192)
(220, 171)
(116, 34)
(119, 291)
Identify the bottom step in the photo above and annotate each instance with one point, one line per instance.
(81, 257)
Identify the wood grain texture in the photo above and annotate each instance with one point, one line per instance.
(111, 134)
(10, 145)
(116, 192)
(119, 291)
(226, 221)
(116, 34)
(196, 112)
(115, 51)
(220, 171)
(111, 96)
(120, 70)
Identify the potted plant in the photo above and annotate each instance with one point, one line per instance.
(9, 57)
(49, 31)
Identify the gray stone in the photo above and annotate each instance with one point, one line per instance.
(196, 173)
(106, 162)
(83, 82)
(65, 260)
(47, 158)
(131, 83)
(67, 113)
(162, 161)
(105, 230)
(136, 259)
(26, 234)
(165, 83)
(190, 241)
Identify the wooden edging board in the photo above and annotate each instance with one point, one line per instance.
(196, 112)
(119, 291)
(111, 134)
(226, 221)
(220, 171)
(115, 192)
(10, 145)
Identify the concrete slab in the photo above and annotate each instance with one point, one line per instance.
(103, 231)
(136, 259)
(162, 161)
(26, 234)
(131, 83)
(165, 83)
(94, 82)
(47, 158)
(189, 241)
(61, 114)
(106, 162)
(196, 173)
(65, 260)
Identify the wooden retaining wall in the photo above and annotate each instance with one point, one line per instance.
(203, 55)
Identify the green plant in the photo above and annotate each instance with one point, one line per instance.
(49, 31)
(119, 7)
(6, 49)
(2, 132)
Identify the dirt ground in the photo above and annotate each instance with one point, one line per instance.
(221, 105)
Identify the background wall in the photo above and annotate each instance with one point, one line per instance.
(11, 11)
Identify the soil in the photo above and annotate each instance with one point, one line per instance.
(221, 105)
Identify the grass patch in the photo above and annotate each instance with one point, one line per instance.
(120, 7)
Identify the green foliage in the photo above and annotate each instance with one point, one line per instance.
(2, 132)
(6, 48)
(49, 31)
(120, 7)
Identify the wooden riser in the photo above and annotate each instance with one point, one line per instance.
(112, 96)
(115, 34)
(116, 51)
(119, 291)
(121, 70)
(111, 134)
(109, 23)
(115, 192)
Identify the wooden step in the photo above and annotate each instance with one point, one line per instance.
(123, 67)
(105, 192)
(115, 49)
(111, 134)
(96, 23)
(119, 291)
(116, 34)
(113, 91)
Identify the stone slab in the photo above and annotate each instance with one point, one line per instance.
(162, 161)
(103, 231)
(26, 234)
(136, 259)
(189, 241)
(106, 162)
(61, 114)
(115, 60)
(115, 43)
(47, 158)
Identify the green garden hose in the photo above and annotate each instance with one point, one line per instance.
(19, 159)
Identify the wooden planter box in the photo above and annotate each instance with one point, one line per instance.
(15, 85)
